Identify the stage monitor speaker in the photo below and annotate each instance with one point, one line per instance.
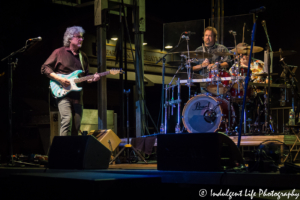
(107, 137)
(78, 152)
(197, 152)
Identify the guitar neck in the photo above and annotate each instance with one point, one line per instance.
(85, 78)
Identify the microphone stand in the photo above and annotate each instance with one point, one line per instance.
(189, 83)
(238, 72)
(128, 146)
(247, 81)
(267, 110)
(10, 66)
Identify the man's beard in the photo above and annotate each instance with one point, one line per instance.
(207, 41)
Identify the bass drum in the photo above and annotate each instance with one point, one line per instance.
(203, 114)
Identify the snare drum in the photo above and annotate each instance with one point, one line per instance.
(223, 85)
(204, 114)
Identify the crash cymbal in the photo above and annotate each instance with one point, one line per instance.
(196, 54)
(284, 53)
(223, 54)
(243, 48)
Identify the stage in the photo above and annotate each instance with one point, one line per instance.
(136, 181)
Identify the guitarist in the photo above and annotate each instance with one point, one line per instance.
(66, 60)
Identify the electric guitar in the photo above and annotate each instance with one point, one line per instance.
(58, 90)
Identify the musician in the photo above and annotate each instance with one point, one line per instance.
(66, 60)
(256, 66)
(211, 46)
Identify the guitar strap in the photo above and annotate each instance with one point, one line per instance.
(81, 60)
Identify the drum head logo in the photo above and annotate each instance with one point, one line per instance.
(200, 107)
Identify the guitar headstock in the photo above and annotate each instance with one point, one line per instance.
(116, 71)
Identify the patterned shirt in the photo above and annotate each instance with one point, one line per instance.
(212, 49)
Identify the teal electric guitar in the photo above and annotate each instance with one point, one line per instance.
(58, 90)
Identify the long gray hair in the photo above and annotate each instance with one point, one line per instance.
(70, 32)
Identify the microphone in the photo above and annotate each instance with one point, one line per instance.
(35, 39)
(263, 23)
(189, 32)
(232, 32)
(257, 10)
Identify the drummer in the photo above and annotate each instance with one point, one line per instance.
(211, 46)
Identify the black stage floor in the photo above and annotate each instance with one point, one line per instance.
(143, 181)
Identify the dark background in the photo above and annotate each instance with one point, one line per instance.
(21, 20)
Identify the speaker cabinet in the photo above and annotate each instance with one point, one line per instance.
(107, 137)
(78, 152)
(197, 152)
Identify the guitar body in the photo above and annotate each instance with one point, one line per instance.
(59, 91)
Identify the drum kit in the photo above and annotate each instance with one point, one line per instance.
(218, 108)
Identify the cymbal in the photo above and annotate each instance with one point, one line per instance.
(284, 53)
(223, 54)
(243, 48)
(196, 54)
(264, 74)
(178, 63)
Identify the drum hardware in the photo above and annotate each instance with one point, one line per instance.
(271, 125)
(195, 54)
(235, 53)
(172, 103)
(292, 81)
(163, 59)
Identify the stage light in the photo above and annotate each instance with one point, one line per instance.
(145, 43)
(168, 47)
(114, 39)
